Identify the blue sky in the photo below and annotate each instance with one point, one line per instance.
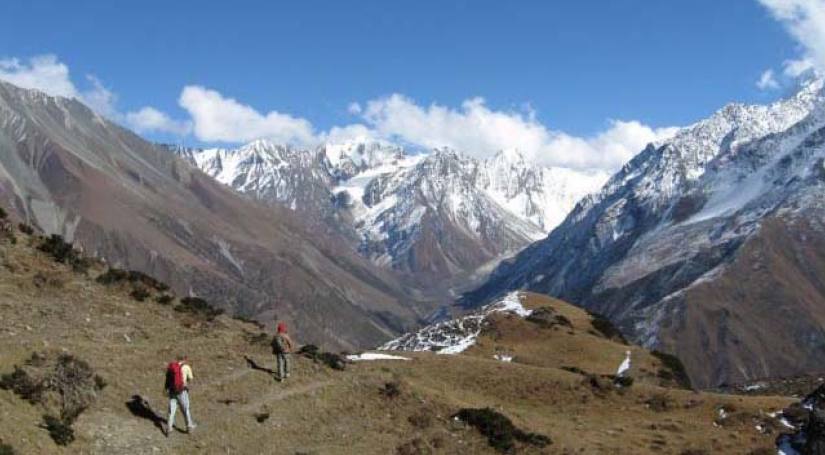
(572, 68)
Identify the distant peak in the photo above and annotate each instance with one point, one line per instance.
(446, 153)
(811, 85)
(261, 144)
(511, 155)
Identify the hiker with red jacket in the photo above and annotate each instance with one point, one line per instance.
(178, 377)
(282, 346)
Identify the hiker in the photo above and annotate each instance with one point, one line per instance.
(178, 377)
(282, 347)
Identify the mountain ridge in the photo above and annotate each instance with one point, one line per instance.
(431, 215)
(68, 171)
(673, 217)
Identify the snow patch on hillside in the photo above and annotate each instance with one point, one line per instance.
(456, 335)
(366, 356)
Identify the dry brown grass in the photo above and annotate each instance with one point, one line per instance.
(560, 346)
(322, 411)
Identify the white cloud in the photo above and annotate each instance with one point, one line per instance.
(354, 132)
(472, 128)
(796, 68)
(99, 98)
(607, 150)
(767, 81)
(43, 72)
(480, 131)
(805, 21)
(216, 118)
(51, 76)
(149, 120)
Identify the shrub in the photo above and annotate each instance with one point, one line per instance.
(391, 389)
(674, 369)
(546, 317)
(165, 299)
(22, 384)
(604, 327)
(25, 228)
(100, 383)
(77, 384)
(6, 449)
(309, 351)
(623, 381)
(562, 320)
(600, 385)
(334, 361)
(198, 307)
(65, 385)
(659, 402)
(3, 214)
(115, 276)
(59, 249)
(64, 253)
(82, 264)
(499, 429)
(60, 430)
(148, 281)
(262, 417)
(140, 293)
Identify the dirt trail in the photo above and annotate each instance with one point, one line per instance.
(241, 372)
(121, 435)
(278, 395)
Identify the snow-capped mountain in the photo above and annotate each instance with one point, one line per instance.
(66, 170)
(438, 215)
(298, 179)
(355, 157)
(542, 195)
(433, 218)
(701, 244)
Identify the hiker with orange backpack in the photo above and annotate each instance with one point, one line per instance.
(178, 377)
(282, 347)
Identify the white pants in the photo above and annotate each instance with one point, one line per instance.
(183, 399)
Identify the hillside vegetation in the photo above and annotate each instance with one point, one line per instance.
(554, 397)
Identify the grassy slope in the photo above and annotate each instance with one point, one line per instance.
(578, 346)
(323, 411)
